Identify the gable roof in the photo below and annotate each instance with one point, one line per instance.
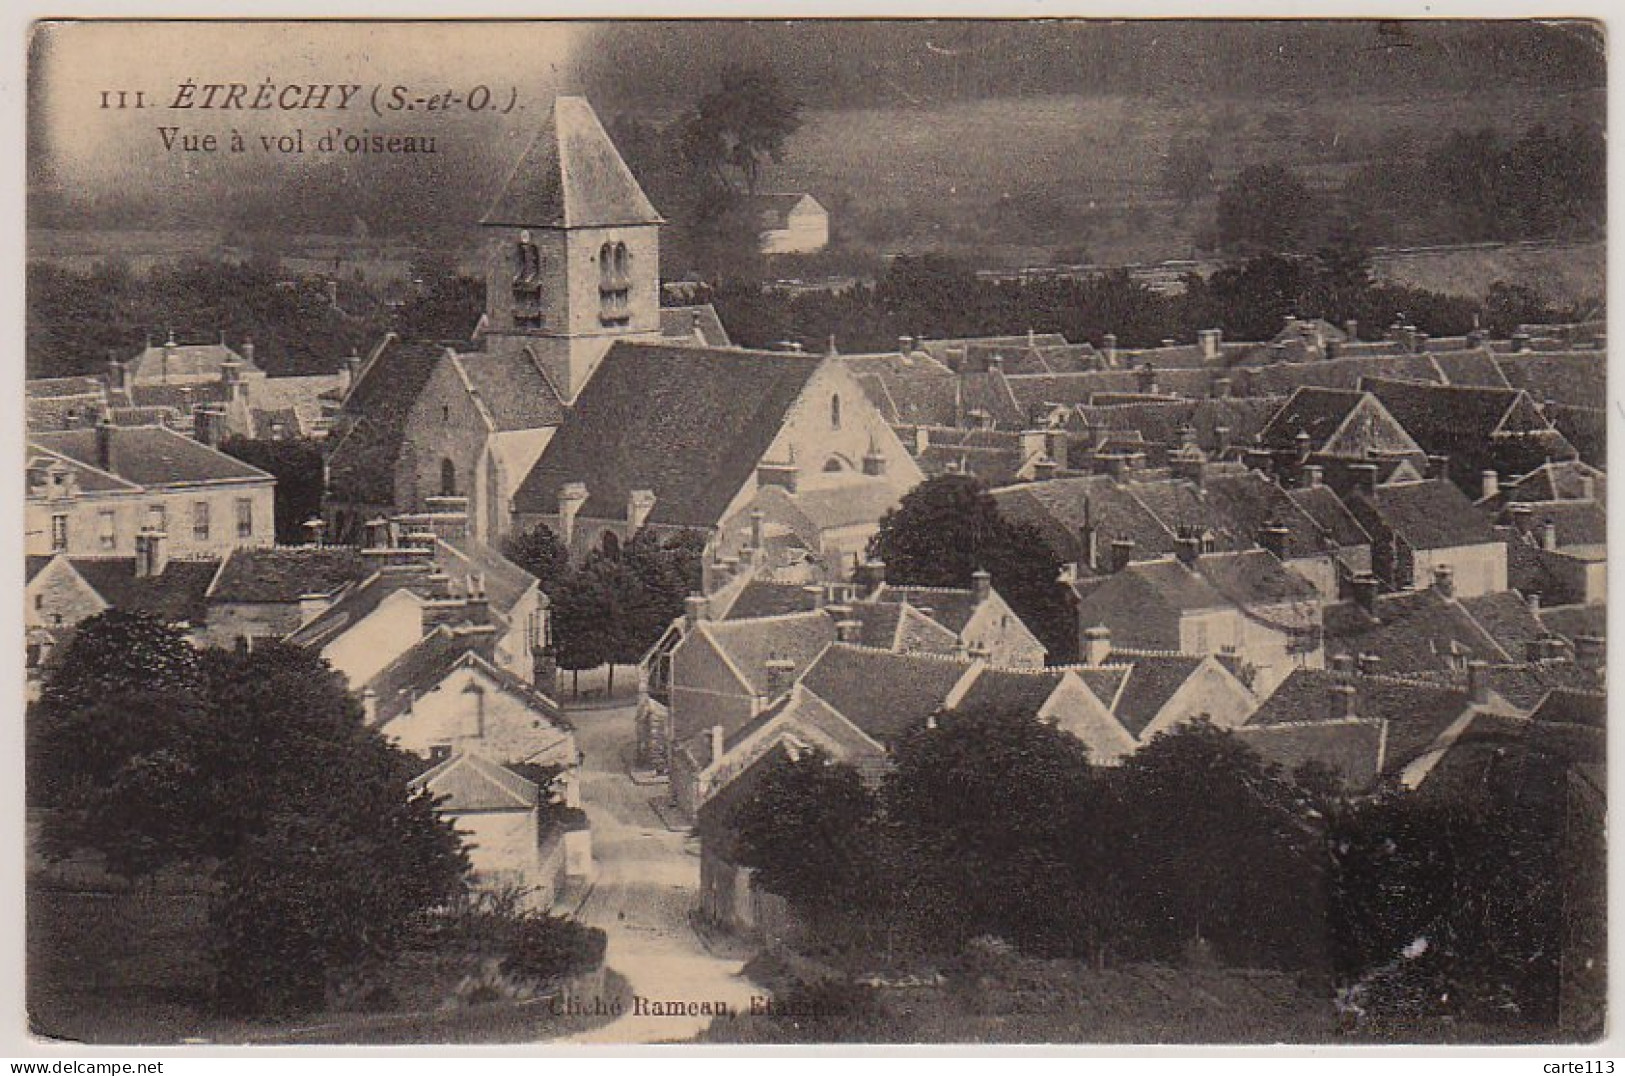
(571, 176)
(1333, 518)
(286, 574)
(764, 597)
(91, 479)
(1471, 425)
(361, 466)
(424, 664)
(505, 582)
(1412, 631)
(1011, 691)
(690, 424)
(1350, 747)
(1063, 507)
(952, 607)
(472, 782)
(151, 456)
(773, 210)
(880, 692)
(511, 388)
(798, 638)
(1575, 378)
(1574, 621)
(682, 322)
(1319, 412)
(1152, 680)
(1431, 514)
(1507, 619)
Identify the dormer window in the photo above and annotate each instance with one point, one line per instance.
(614, 285)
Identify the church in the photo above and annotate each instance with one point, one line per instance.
(590, 408)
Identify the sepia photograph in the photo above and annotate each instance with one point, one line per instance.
(830, 532)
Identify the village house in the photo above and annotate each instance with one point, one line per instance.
(1416, 527)
(103, 491)
(269, 593)
(789, 223)
(1243, 605)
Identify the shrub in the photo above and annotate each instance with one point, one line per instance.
(548, 947)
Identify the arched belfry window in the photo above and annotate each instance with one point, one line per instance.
(834, 412)
(527, 283)
(448, 478)
(614, 284)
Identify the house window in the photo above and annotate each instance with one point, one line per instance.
(200, 520)
(474, 712)
(834, 412)
(158, 517)
(106, 529)
(1198, 637)
(245, 517)
(448, 478)
(59, 533)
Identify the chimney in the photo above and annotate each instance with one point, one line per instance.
(922, 440)
(639, 503)
(995, 363)
(874, 461)
(1420, 342)
(781, 674)
(1548, 535)
(1364, 476)
(719, 742)
(104, 444)
(1478, 682)
(1273, 537)
(314, 528)
(1520, 341)
(1300, 442)
(873, 574)
(231, 375)
(816, 594)
(116, 374)
(544, 665)
(369, 706)
(1108, 348)
(1188, 548)
(982, 585)
(1221, 440)
(1210, 340)
(1055, 446)
(1444, 580)
(905, 345)
(1591, 652)
(209, 425)
(1345, 700)
(1522, 515)
(758, 528)
(1490, 483)
(1146, 379)
(1220, 388)
(1351, 329)
(1043, 469)
(1343, 663)
(248, 350)
(151, 553)
(1122, 553)
(696, 607)
(1313, 475)
(349, 371)
(572, 495)
(1168, 341)
(1097, 644)
(1438, 466)
(168, 354)
(848, 631)
(1365, 592)
(1369, 664)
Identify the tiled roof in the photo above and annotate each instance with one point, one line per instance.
(762, 597)
(571, 177)
(1577, 522)
(1161, 422)
(471, 782)
(1433, 514)
(179, 397)
(424, 664)
(359, 602)
(176, 596)
(880, 692)
(797, 638)
(919, 633)
(1413, 631)
(1417, 713)
(1152, 681)
(1507, 619)
(279, 422)
(1033, 391)
(855, 503)
(512, 388)
(1573, 621)
(1234, 509)
(1221, 581)
(151, 456)
(361, 467)
(34, 563)
(691, 424)
(773, 209)
(90, 479)
(148, 416)
(1330, 515)
(908, 390)
(1586, 428)
(1350, 748)
(951, 607)
(1061, 508)
(1559, 480)
(1319, 412)
(43, 388)
(1472, 366)
(286, 574)
(1570, 707)
(1575, 378)
(1341, 373)
(680, 323)
(183, 360)
(1011, 691)
(505, 582)
(1459, 422)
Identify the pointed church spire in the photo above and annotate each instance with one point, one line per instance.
(571, 177)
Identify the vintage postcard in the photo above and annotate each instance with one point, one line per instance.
(919, 531)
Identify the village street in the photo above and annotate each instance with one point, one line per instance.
(647, 884)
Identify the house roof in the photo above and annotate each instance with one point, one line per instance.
(1432, 514)
(1559, 480)
(505, 582)
(1333, 518)
(1575, 378)
(152, 363)
(1233, 509)
(1319, 412)
(1350, 747)
(764, 597)
(1161, 422)
(908, 390)
(798, 638)
(1062, 507)
(91, 479)
(472, 782)
(1011, 691)
(1578, 522)
(571, 176)
(1412, 631)
(361, 600)
(690, 424)
(681, 322)
(286, 574)
(1470, 366)
(1340, 373)
(1152, 681)
(1471, 425)
(178, 397)
(1416, 712)
(176, 596)
(1586, 428)
(951, 607)
(1573, 621)
(1508, 620)
(1567, 706)
(151, 456)
(42, 388)
(361, 467)
(1222, 580)
(512, 389)
(425, 664)
(881, 692)
(773, 210)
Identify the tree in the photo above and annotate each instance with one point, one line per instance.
(540, 553)
(1264, 210)
(668, 569)
(1187, 170)
(948, 527)
(739, 126)
(593, 612)
(296, 463)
